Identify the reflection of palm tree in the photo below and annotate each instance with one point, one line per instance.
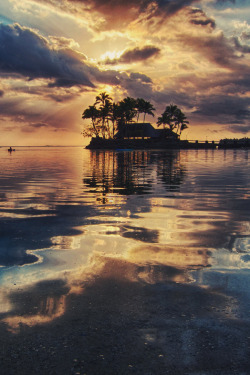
(128, 173)
(170, 171)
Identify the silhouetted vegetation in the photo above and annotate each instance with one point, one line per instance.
(108, 117)
(234, 143)
(174, 118)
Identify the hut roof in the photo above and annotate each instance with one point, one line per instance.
(142, 130)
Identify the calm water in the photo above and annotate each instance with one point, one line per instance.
(66, 213)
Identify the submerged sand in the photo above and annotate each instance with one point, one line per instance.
(115, 324)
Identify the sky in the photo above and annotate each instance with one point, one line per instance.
(56, 56)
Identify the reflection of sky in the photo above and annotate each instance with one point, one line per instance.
(185, 211)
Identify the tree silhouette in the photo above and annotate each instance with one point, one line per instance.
(174, 118)
(107, 116)
(105, 106)
(92, 113)
(114, 117)
(145, 107)
(181, 121)
(127, 109)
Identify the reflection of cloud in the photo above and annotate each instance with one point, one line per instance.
(176, 256)
(38, 304)
(47, 300)
(140, 234)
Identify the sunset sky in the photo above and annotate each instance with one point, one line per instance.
(56, 56)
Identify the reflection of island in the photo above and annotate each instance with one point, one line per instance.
(127, 173)
(170, 170)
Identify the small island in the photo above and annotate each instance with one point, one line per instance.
(117, 126)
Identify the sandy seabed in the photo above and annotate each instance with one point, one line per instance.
(118, 326)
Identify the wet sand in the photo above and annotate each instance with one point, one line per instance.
(118, 326)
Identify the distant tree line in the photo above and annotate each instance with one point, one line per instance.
(107, 117)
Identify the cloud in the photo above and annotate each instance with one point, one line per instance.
(225, 1)
(198, 17)
(245, 35)
(135, 55)
(215, 47)
(140, 77)
(244, 129)
(23, 51)
(224, 109)
(240, 47)
(118, 14)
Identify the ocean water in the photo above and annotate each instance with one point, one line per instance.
(69, 215)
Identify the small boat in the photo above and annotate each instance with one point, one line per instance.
(11, 149)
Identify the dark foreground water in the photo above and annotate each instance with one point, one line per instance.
(124, 262)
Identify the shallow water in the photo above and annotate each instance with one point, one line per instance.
(69, 215)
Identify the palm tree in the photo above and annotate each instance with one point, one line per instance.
(105, 102)
(92, 113)
(102, 98)
(128, 109)
(183, 127)
(168, 117)
(145, 107)
(114, 117)
(139, 106)
(148, 110)
(181, 121)
(174, 118)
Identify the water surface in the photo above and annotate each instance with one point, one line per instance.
(70, 215)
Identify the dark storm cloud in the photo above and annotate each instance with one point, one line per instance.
(216, 48)
(198, 17)
(141, 77)
(224, 109)
(244, 129)
(119, 13)
(139, 54)
(134, 55)
(206, 22)
(24, 52)
(107, 6)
